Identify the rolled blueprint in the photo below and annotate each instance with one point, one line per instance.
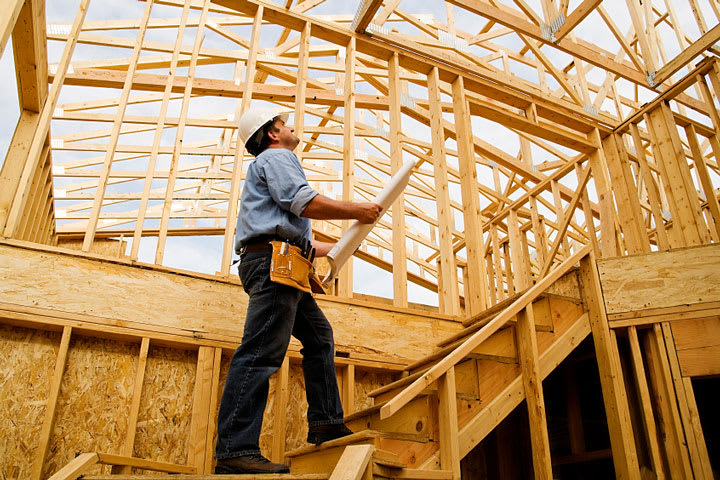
(352, 239)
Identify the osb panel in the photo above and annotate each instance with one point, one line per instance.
(297, 427)
(367, 381)
(94, 401)
(567, 286)
(28, 359)
(166, 405)
(662, 279)
(102, 246)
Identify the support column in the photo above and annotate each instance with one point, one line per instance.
(611, 379)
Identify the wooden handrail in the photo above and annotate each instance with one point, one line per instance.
(452, 359)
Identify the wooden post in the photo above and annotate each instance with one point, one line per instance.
(475, 296)
(623, 186)
(301, 87)
(532, 382)
(49, 420)
(448, 271)
(212, 423)
(448, 424)
(280, 412)
(616, 408)
(345, 276)
(201, 414)
(129, 445)
(400, 296)
(645, 404)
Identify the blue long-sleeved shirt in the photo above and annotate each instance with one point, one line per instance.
(275, 193)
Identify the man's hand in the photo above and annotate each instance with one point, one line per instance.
(324, 208)
(367, 212)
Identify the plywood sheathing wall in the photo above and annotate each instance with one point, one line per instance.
(25, 375)
(128, 303)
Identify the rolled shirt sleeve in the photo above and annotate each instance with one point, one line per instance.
(287, 183)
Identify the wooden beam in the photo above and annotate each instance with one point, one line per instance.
(578, 50)
(577, 16)
(30, 52)
(8, 17)
(364, 15)
(696, 48)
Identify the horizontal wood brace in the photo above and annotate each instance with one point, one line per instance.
(666, 314)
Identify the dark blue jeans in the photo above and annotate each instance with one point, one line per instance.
(274, 313)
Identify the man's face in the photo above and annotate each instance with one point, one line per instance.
(283, 135)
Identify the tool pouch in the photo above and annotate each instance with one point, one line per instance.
(289, 267)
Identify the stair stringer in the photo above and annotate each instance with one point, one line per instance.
(478, 417)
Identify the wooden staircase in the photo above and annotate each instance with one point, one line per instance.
(423, 424)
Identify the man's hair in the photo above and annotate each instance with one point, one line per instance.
(260, 141)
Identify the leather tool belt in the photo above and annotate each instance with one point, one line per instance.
(289, 267)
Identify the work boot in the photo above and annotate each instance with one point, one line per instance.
(255, 463)
(324, 433)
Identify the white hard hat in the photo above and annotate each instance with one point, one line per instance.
(253, 119)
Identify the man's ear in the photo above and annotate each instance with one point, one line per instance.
(273, 135)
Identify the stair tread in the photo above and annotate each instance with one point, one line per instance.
(358, 437)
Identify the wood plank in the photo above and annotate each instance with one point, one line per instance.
(654, 280)
(511, 396)
(475, 290)
(664, 397)
(78, 465)
(353, 462)
(141, 463)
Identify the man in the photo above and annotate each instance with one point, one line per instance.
(277, 204)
